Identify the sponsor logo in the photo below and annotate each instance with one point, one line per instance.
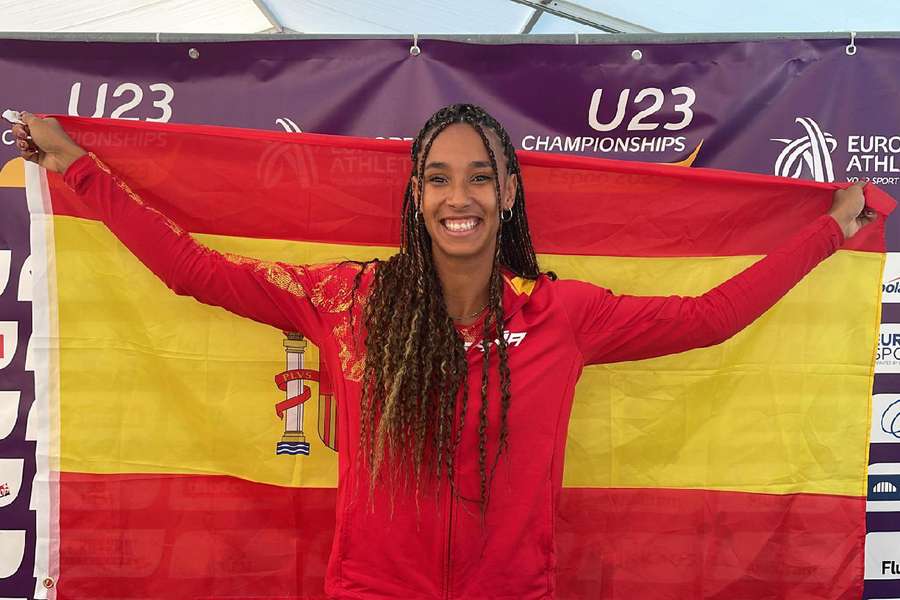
(882, 555)
(512, 339)
(871, 157)
(883, 488)
(885, 419)
(890, 567)
(812, 151)
(887, 358)
(890, 287)
(4, 490)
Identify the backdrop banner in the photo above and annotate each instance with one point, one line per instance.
(154, 438)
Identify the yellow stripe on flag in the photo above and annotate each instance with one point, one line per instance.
(766, 411)
(156, 383)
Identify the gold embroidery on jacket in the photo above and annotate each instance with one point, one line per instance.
(352, 362)
(169, 222)
(133, 195)
(280, 276)
(119, 182)
(99, 163)
(332, 294)
(470, 333)
(238, 259)
(275, 273)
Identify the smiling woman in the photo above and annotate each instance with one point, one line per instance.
(453, 358)
(465, 176)
(459, 203)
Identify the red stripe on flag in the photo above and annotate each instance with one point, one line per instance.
(164, 537)
(173, 537)
(658, 544)
(344, 190)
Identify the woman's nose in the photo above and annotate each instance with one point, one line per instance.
(459, 195)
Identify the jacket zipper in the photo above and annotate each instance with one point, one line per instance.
(448, 564)
(447, 577)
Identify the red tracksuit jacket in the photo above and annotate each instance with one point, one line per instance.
(555, 328)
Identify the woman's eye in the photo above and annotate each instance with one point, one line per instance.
(482, 178)
(437, 179)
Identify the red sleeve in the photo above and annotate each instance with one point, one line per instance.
(274, 293)
(610, 328)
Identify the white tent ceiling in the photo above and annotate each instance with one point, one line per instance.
(446, 17)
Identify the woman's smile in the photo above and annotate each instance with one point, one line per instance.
(461, 226)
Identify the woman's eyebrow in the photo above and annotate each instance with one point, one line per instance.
(477, 164)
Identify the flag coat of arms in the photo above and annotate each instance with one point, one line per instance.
(193, 453)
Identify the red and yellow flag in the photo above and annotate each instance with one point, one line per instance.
(711, 473)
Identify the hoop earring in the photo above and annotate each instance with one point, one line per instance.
(416, 216)
(506, 218)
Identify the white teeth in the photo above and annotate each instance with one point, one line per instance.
(460, 225)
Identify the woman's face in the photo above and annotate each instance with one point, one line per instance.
(459, 205)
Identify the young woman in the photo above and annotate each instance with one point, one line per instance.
(451, 461)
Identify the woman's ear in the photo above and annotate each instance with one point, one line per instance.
(509, 193)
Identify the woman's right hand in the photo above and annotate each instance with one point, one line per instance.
(848, 207)
(44, 142)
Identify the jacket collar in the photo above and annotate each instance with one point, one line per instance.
(517, 292)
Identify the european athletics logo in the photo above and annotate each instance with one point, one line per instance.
(887, 359)
(812, 151)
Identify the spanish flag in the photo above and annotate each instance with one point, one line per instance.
(179, 466)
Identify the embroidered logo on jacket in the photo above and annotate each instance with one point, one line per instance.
(512, 339)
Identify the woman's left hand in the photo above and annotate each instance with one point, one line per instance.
(848, 207)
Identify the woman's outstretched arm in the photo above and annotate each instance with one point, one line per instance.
(614, 328)
(275, 293)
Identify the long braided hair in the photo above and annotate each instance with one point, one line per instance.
(415, 359)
